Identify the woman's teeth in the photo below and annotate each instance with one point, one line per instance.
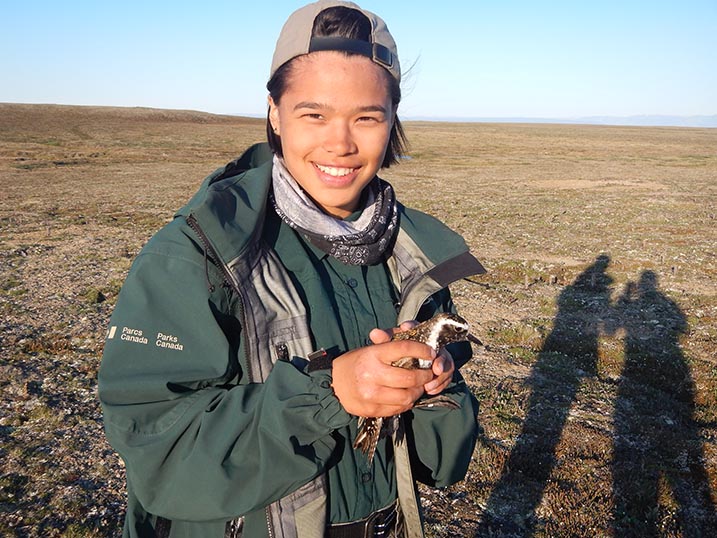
(336, 172)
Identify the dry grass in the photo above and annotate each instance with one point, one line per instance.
(598, 384)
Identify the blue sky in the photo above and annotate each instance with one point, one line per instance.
(559, 59)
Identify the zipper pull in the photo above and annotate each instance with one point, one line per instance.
(282, 351)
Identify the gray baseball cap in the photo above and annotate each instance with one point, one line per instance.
(295, 39)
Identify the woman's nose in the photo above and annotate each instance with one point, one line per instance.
(338, 139)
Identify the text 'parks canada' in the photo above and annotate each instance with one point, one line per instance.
(167, 341)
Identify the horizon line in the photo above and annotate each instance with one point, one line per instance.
(645, 120)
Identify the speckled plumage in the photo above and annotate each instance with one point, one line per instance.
(437, 332)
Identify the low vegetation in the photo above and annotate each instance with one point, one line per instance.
(598, 379)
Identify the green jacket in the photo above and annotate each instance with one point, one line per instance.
(203, 381)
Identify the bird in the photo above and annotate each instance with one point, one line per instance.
(437, 332)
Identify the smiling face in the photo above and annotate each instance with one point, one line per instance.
(334, 120)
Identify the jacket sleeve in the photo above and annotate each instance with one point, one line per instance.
(198, 441)
(441, 440)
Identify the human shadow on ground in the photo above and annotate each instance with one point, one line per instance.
(568, 354)
(660, 484)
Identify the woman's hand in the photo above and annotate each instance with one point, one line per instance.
(443, 365)
(367, 385)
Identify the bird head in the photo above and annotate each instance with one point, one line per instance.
(443, 329)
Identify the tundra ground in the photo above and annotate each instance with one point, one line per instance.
(598, 379)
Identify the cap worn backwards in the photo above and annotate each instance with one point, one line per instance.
(295, 39)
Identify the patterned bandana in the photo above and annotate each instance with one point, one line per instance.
(361, 242)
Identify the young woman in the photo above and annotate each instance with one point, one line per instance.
(254, 329)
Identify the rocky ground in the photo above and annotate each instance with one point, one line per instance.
(598, 383)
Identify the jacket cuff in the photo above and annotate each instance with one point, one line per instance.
(332, 413)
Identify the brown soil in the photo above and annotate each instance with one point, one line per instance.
(598, 381)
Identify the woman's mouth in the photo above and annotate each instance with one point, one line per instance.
(335, 171)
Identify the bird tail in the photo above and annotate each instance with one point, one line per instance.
(369, 430)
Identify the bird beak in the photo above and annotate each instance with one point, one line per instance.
(474, 340)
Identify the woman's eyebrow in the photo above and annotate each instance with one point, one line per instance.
(372, 108)
(312, 105)
(319, 106)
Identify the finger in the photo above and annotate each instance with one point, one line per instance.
(443, 364)
(443, 370)
(392, 401)
(380, 336)
(376, 369)
(438, 383)
(408, 325)
(402, 378)
(390, 352)
(437, 386)
(438, 366)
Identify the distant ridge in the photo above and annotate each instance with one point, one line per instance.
(165, 114)
(8, 111)
(654, 121)
(644, 120)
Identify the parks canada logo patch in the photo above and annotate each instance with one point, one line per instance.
(137, 336)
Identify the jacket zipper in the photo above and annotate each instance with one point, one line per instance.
(209, 251)
(228, 279)
(269, 525)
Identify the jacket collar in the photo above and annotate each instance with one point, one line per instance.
(231, 204)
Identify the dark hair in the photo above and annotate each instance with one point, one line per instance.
(340, 21)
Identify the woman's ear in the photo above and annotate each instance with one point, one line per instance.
(274, 116)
